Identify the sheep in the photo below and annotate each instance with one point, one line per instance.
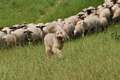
(81, 13)
(31, 25)
(6, 30)
(91, 14)
(91, 7)
(33, 34)
(104, 12)
(79, 29)
(2, 34)
(17, 26)
(104, 23)
(115, 1)
(88, 24)
(116, 6)
(20, 36)
(109, 2)
(116, 15)
(118, 1)
(9, 40)
(59, 20)
(73, 19)
(69, 28)
(106, 1)
(40, 24)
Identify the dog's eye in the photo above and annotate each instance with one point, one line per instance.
(57, 33)
(60, 32)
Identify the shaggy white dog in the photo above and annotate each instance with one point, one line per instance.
(54, 42)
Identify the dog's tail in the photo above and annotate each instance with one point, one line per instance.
(50, 28)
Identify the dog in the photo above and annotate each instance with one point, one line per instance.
(54, 42)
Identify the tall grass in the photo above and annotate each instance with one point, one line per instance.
(94, 57)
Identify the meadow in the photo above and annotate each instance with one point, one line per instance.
(94, 57)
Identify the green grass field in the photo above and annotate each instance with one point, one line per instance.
(94, 57)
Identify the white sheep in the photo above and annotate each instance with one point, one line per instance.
(9, 40)
(7, 30)
(104, 23)
(20, 35)
(115, 7)
(118, 1)
(33, 34)
(88, 24)
(104, 12)
(116, 15)
(69, 28)
(2, 34)
(79, 29)
(109, 2)
(72, 19)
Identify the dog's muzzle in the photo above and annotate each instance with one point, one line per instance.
(61, 38)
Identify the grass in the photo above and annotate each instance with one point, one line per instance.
(67, 8)
(14, 12)
(94, 57)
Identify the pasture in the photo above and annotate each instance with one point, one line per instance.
(94, 57)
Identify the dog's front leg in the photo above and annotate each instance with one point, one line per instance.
(48, 52)
(58, 52)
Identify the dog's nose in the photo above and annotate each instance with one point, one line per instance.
(59, 37)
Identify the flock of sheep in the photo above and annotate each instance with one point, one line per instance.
(90, 20)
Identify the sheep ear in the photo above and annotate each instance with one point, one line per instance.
(62, 19)
(5, 31)
(31, 32)
(25, 31)
(102, 6)
(56, 20)
(37, 26)
(13, 28)
(96, 8)
(1, 28)
(42, 27)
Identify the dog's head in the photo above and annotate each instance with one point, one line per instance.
(61, 35)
